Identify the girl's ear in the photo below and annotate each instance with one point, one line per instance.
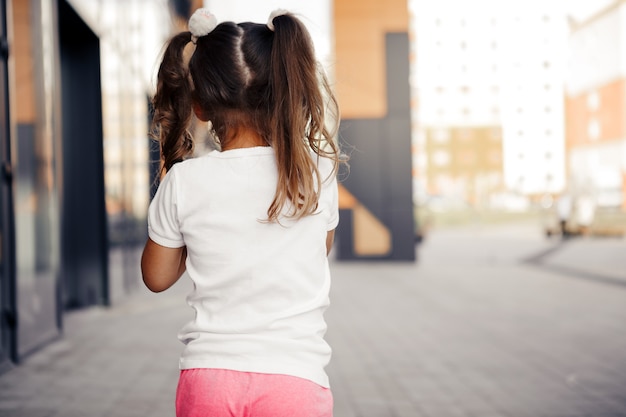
(200, 114)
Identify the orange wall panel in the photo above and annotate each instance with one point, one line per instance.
(576, 121)
(611, 111)
(360, 28)
(609, 115)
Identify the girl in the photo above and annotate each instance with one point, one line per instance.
(252, 224)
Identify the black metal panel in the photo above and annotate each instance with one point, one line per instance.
(363, 140)
(381, 162)
(344, 236)
(84, 235)
(399, 206)
(398, 89)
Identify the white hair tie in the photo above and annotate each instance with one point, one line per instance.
(275, 13)
(201, 23)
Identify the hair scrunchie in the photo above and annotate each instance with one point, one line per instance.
(201, 23)
(275, 13)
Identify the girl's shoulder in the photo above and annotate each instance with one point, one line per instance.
(195, 162)
(186, 168)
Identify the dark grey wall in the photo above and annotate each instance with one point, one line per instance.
(84, 235)
(381, 164)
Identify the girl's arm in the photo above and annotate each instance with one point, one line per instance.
(161, 267)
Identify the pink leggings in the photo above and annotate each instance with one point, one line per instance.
(225, 393)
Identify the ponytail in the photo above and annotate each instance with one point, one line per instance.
(172, 104)
(297, 119)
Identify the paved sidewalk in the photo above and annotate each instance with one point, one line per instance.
(120, 361)
(605, 263)
(471, 330)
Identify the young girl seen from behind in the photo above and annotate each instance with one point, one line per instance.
(252, 224)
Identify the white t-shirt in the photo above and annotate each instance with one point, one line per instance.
(260, 288)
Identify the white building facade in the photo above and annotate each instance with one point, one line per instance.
(499, 65)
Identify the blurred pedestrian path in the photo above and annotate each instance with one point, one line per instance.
(474, 330)
(490, 322)
(119, 361)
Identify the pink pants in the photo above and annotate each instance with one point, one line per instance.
(225, 393)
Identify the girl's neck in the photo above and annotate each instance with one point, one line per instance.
(244, 138)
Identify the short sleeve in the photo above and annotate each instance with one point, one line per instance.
(330, 193)
(163, 221)
(333, 194)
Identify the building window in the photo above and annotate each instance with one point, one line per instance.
(593, 101)
(593, 130)
(441, 135)
(441, 158)
(465, 134)
(467, 157)
(495, 157)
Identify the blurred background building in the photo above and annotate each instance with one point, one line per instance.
(596, 106)
(518, 105)
(488, 82)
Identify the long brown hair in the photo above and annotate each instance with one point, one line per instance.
(247, 75)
